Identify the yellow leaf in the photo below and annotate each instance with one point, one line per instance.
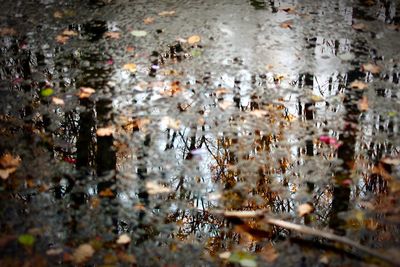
(123, 239)
(316, 98)
(86, 92)
(194, 39)
(358, 85)
(83, 253)
(130, 67)
(69, 33)
(304, 209)
(369, 67)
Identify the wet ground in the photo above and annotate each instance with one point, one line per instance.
(199, 133)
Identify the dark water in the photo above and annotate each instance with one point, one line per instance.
(148, 119)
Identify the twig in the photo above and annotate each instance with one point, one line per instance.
(308, 231)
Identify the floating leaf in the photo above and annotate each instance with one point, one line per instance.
(112, 35)
(26, 239)
(304, 209)
(123, 239)
(130, 67)
(363, 104)
(243, 258)
(369, 67)
(58, 101)
(286, 24)
(106, 193)
(167, 13)
(358, 85)
(105, 131)
(83, 253)
(194, 39)
(155, 188)
(196, 52)
(148, 20)
(62, 39)
(86, 92)
(46, 92)
(69, 33)
(138, 33)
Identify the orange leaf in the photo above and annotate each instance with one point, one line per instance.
(358, 85)
(369, 67)
(194, 39)
(148, 20)
(304, 209)
(130, 67)
(85, 92)
(363, 104)
(106, 193)
(286, 24)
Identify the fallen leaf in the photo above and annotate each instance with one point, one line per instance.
(58, 14)
(317, 98)
(221, 91)
(123, 239)
(106, 193)
(105, 131)
(289, 10)
(82, 253)
(194, 39)
(9, 161)
(112, 35)
(369, 67)
(259, 113)
(54, 251)
(394, 27)
(129, 258)
(170, 123)
(243, 214)
(86, 92)
(69, 33)
(138, 33)
(7, 31)
(346, 56)
(358, 85)
(46, 92)
(130, 49)
(167, 13)
(58, 101)
(363, 104)
(131, 67)
(286, 24)
(245, 259)
(225, 104)
(155, 188)
(4, 174)
(62, 39)
(225, 255)
(391, 161)
(269, 254)
(26, 239)
(148, 20)
(304, 209)
(359, 26)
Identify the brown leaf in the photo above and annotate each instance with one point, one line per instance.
(269, 254)
(112, 35)
(58, 101)
(58, 14)
(358, 85)
(106, 193)
(359, 26)
(86, 92)
(363, 104)
(69, 33)
(286, 24)
(82, 253)
(105, 131)
(194, 39)
(304, 209)
(62, 39)
(9, 161)
(289, 10)
(369, 67)
(391, 161)
(148, 20)
(7, 31)
(166, 13)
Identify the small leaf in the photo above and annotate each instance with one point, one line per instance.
(286, 24)
(138, 33)
(86, 92)
(106, 193)
(369, 67)
(58, 101)
(105, 131)
(58, 15)
(83, 253)
(9, 161)
(243, 258)
(359, 26)
(166, 13)
(391, 161)
(123, 239)
(148, 20)
(155, 188)
(112, 35)
(194, 39)
(346, 56)
(363, 104)
(62, 39)
(269, 254)
(7, 31)
(46, 92)
(358, 85)
(69, 33)
(130, 67)
(196, 52)
(304, 209)
(26, 239)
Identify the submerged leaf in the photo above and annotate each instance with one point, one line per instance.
(304, 209)
(194, 39)
(83, 253)
(138, 33)
(123, 239)
(130, 67)
(26, 239)
(46, 92)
